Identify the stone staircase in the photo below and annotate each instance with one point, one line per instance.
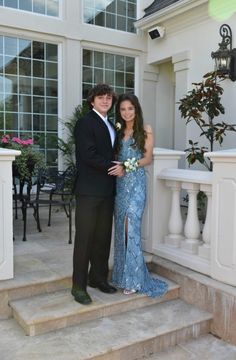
(114, 326)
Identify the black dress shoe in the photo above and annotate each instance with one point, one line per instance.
(81, 296)
(103, 286)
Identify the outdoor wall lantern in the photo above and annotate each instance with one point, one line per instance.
(225, 56)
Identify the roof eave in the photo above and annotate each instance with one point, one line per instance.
(167, 13)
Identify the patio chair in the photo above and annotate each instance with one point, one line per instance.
(51, 190)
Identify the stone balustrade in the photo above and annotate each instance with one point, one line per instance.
(210, 249)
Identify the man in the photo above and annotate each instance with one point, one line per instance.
(95, 190)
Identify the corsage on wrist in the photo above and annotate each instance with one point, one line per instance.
(130, 164)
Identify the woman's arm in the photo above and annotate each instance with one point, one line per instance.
(149, 143)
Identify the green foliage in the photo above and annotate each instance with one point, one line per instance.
(30, 160)
(67, 146)
(202, 105)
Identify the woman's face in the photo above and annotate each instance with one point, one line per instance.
(127, 111)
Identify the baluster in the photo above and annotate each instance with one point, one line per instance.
(204, 249)
(175, 224)
(192, 226)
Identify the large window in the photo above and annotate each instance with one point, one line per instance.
(115, 70)
(43, 7)
(28, 92)
(114, 14)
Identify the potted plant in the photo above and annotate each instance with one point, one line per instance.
(25, 165)
(202, 105)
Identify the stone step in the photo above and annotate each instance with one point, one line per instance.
(128, 336)
(204, 347)
(47, 312)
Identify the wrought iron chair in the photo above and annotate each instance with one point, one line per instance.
(52, 189)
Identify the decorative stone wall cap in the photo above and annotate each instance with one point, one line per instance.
(9, 153)
(167, 153)
(185, 175)
(229, 153)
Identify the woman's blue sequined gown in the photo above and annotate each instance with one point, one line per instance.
(130, 271)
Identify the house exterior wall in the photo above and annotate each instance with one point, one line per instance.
(191, 34)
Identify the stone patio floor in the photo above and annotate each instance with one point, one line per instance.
(47, 255)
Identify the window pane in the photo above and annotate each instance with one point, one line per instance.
(111, 21)
(1, 84)
(11, 120)
(98, 59)
(10, 65)
(25, 67)
(25, 122)
(121, 7)
(52, 8)
(25, 5)
(39, 122)
(25, 103)
(24, 85)
(121, 23)
(38, 105)
(100, 19)
(120, 63)
(51, 88)
(38, 68)
(51, 70)
(51, 52)
(87, 74)
(38, 50)
(10, 47)
(109, 61)
(98, 76)
(39, 7)
(11, 85)
(25, 48)
(1, 44)
(11, 3)
(87, 57)
(119, 78)
(51, 106)
(38, 86)
(1, 64)
(51, 123)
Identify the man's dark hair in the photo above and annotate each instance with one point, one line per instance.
(101, 89)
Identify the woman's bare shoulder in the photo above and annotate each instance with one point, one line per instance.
(148, 128)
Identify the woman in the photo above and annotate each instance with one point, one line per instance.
(134, 149)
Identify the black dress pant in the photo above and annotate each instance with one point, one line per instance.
(93, 228)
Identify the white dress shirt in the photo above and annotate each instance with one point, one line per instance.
(110, 128)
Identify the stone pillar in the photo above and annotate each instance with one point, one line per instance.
(6, 222)
(160, 196)
(181, 64)
(223, 225)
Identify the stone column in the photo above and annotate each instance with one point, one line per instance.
(160, 196)
(6, 222)
(223, 225)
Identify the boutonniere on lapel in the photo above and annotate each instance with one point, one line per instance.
(118, 126)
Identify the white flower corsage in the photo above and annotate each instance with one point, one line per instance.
(130, 164)
(118, 126)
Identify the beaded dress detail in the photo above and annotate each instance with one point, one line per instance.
(130, 270)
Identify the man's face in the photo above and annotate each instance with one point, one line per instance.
(102, 103)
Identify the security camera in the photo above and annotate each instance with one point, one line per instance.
(156, 32)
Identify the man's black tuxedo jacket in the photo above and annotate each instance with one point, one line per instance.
(94, 155)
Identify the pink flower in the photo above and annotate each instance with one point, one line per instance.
(17, 140)
(27, 142)
(5, 139)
